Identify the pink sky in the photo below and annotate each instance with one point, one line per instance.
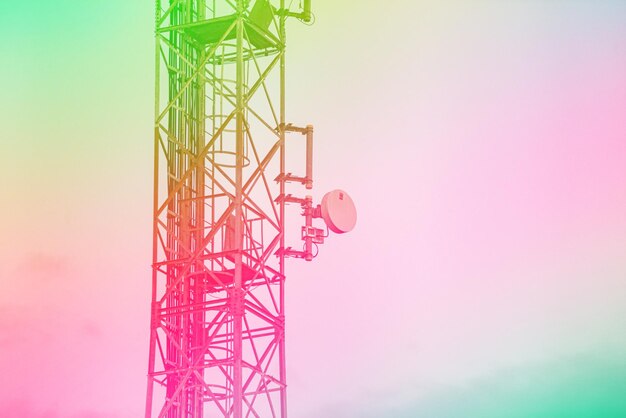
(485, 147)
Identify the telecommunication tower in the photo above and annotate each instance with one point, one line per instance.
(217, 330)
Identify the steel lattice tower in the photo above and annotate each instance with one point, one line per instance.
(217, 336)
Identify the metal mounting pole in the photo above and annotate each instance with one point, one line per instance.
(309, 157)
(281, 330)
(237, 294)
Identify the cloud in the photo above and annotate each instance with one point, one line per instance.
(20, 327)
(23, 408)
(44, 266)
(579, 387)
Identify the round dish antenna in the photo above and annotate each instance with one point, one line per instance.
(338, 211)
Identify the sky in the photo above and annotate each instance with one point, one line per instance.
(483, 142)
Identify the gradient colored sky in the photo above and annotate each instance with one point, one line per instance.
(484, 143)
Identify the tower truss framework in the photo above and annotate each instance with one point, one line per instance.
(217, 332)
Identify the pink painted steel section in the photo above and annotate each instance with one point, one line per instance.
(217, 345)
